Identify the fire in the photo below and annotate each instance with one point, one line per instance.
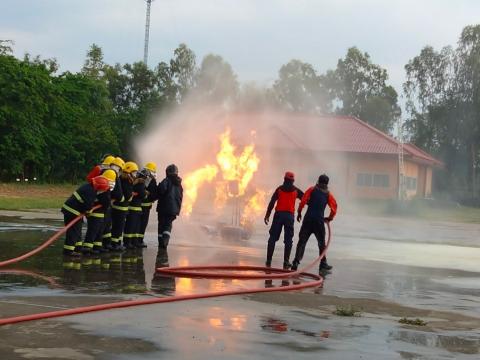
(231, 177)
(193, 181)
(255, 205)
(239, 169)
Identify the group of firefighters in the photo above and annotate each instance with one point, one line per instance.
(117, 199)
(118, 196)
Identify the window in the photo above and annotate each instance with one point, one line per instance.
(375, 180)
(381, 180)
(411, 183)
(364, 179)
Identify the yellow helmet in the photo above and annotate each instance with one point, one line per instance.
(108, 160)
(130, 167)
(151, 166)
(119, 162)
(110, 175)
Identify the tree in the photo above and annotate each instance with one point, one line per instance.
(360, 89)
(467, 68)
(215, 80)
(94, 64)
(25, 91)
(182, 70)
(443, 93)
(299, 88)
(6, 47)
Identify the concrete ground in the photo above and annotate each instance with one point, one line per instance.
(384, 268)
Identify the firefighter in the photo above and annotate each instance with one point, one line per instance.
(79, 202)
(169, 196)
(93, 238)
(116, 194)
(150, 170)
(120, 207)
(285, 196)
(104, 165)
(134, 216)
(317, 198)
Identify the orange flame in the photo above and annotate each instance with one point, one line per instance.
(192, 183)
(255, 206)
(236, 171)
(239, 169)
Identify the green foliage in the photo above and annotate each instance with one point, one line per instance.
(299, 88)
(6, 47)
(416, 322)
(347, 311)
(443, 104)
(357, 87)
(215, 80)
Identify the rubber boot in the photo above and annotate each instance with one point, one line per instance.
(270, 251)
(128, 244)
(295, 265)
(286, 257)
(99, 249)
(106, 244)
(117, 247)
(163, 242)
(139, 243)
(71, 253)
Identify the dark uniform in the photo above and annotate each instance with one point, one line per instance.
(95, 218)
(119, 213)
(317, 198)
(146, 207)
(285, 197)
(170, 196)
(132, 225)
(79, 202)
(116, 195)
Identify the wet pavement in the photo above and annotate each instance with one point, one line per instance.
(387, 268)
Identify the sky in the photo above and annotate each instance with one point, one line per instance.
(255, 36)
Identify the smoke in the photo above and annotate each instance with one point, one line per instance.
(189, 136)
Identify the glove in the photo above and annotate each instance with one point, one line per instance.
(266, 219)
(299, 217)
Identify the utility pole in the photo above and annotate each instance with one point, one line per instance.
(401, 167)
(147, 33)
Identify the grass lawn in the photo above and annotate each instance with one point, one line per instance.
(32, 196)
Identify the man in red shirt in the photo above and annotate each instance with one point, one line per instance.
(285, 196)
(317, 198)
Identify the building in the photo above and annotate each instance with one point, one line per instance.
(362, 161)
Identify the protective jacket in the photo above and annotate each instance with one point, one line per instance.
(170, 196)
(317, 200)
(285, 196)
(124, 201)
(151, 196)
(138, 195)
(81, 200)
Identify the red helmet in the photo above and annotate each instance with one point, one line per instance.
(100, 183)
(289, 175)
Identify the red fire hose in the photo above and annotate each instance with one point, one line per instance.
(206, 272)
(46, 243)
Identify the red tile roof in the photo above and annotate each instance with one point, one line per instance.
(343, 134)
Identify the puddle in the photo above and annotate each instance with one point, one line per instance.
(456, 344)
